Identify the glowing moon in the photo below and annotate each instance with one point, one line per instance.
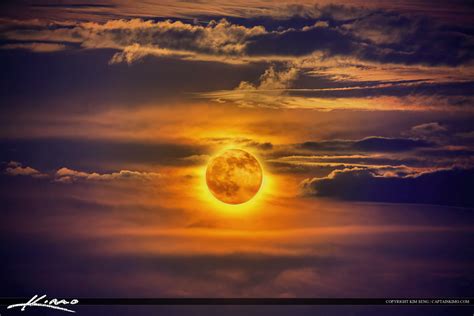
(234, 177)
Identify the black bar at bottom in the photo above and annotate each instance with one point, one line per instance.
(258, 301)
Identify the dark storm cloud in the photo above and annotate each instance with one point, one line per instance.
(444, 187)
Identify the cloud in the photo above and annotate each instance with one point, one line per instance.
(428, 128)
(196, 159)
(408, 155)
(368, 144)
(36, 47)
(401, 61)
(401, 88)
(302, 42)
(135, 52)
(52, 154)
(137, 37)
(93, 86)
(258, 10)
(380, 36)
(388, 144)
(467, 135)
(444, 186)
(240, 142)
(15, 168)
(66, 175)
(416, 153)
(327, 163)
(344, 93)
(434, 132)
(267, 92)
(272, 79)
(367, 34)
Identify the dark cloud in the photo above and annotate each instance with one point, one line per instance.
(92, 85)
(88, 155)
(368, 144)
(448, 153)
(95, 56)
(389, 144)
(329, 145)
(263, 146)
(429, 128)
(396, 89)
(299, 43)
(367, 34)
(381, 36)
(295, 16)
(444, 187)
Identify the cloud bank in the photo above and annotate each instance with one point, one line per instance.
(367, 34)
(444, 187)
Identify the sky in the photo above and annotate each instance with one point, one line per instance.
(361, 114)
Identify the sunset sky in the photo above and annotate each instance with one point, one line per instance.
(361, 114)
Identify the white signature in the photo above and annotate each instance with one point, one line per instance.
(41, 301)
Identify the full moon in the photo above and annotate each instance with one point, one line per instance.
(234, 176)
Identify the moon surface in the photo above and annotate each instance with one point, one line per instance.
(234, 176)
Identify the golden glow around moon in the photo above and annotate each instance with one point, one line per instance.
(234, 177)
